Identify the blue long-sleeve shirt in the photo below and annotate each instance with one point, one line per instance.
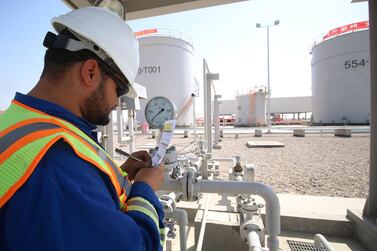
(69, 204)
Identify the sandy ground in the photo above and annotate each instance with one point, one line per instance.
(314, 165)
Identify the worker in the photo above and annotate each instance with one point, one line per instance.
(59, 190)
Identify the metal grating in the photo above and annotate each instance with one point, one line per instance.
(303, 246)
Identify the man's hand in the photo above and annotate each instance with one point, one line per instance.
(152, 176)
(132, 166)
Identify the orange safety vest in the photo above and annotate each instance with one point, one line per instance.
(26, 134)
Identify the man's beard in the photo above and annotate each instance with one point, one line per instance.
(95, 109)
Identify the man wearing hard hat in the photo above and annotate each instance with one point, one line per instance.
(59, 190)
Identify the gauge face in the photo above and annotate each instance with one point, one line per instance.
(158, 110)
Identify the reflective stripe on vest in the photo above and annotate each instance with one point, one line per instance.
(27, 140)
(142, 205)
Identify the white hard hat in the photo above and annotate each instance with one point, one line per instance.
(108, 36)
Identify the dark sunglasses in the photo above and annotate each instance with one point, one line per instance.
(121, 84)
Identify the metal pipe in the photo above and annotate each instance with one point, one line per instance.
(207, 109)
(268, 79)
(234, 187)
(181, 217)
(171, 185)
(253, 241)
(119, 124)
(216, 116)
(194, 115)
(109, 139)
(131, 118)
(370, 208)
(202, 227)
(265, 191)
(204, 167)
(320, 241)
(268, 71)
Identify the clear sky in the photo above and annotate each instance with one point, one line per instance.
(225, 35)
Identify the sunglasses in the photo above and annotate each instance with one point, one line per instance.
(120, 82)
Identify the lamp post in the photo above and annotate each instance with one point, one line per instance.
(258, 25)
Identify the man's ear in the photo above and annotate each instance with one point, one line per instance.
(91, 74)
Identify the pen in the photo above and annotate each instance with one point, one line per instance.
(120, 151)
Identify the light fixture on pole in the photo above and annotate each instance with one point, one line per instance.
(258, 25)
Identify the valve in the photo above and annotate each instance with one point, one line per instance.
(169, 223)
(237, 168)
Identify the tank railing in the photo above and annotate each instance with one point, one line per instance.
(168, 33)
(251, 90)
(319, 39)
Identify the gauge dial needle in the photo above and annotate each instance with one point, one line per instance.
(162, 109)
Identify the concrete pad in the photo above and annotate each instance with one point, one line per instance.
(255, 144)
(223, 218)
(337, 243)
(315, 207)
(342, 132)
(258, 133)
(365, 228)
(320, 207)
(316, 214)
(217, 146)
(300, 213)
(299, 132)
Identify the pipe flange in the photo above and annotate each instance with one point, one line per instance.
(251, 206)
(168, 202)
(168, 209)
(249, 226)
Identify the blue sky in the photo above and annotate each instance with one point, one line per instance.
(225, 35)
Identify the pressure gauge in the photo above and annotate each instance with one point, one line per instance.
(158, 110)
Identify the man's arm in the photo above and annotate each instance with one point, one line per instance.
(142, 200)
(68, 204)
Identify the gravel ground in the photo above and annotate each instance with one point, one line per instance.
(314, 165)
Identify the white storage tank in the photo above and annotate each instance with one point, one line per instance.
(341, 76)
(251, 109)
(166, 69)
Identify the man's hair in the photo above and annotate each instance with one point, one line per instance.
(58, 61)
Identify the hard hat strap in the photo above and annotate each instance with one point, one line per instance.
(106, 63)
(64, 42)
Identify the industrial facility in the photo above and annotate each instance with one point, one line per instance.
(203, 210)
(284, 110)
(166, 63)
(341, 76)
(251, 109)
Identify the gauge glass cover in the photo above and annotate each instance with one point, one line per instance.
(158, 110)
